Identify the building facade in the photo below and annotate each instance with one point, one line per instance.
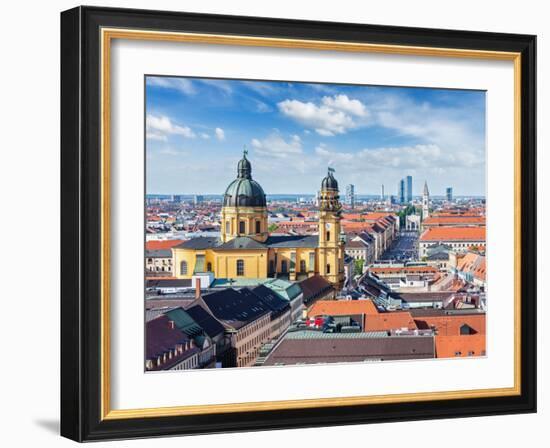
(246, 248)
(460, 239)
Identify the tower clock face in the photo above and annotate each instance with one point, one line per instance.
(327, 226)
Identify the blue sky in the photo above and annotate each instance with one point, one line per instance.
(371, 135)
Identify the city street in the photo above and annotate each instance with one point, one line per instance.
(403, 248)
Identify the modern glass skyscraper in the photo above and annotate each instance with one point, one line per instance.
(409, 188)
(350, 195)
(401, 191)
(449, 194)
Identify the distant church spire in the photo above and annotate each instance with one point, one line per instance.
(425, 201)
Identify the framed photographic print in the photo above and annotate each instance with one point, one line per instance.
(276, 224)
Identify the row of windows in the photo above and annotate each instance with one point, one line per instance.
(163, 261)
(240, 267)
(242, 226)
(184, 268)
(284, 266)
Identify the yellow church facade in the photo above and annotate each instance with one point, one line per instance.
(245, 248)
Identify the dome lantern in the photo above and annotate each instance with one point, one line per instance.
(244, 168)
(244, 191)
(329, 182)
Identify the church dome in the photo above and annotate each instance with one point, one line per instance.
(329, 182)
(244, 191)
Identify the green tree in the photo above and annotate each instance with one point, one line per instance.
(359, 267)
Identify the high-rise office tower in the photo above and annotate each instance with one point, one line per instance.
(350, 195)
(408, 189)
(401, 191)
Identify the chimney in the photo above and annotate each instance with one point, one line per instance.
(197, 287)
(172, 324)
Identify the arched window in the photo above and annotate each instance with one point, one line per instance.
(209, 267)
(258, 226)
(302, 266)
(328, 268)
(328, 236)
(240, 267)
(183, 268)
(227, 227)
(242, 227)
(284, 267)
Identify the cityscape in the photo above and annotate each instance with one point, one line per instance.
(328, 268)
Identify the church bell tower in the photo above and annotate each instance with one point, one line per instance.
(425, 201)
(331, 247)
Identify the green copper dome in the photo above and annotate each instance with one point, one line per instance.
(243, 191)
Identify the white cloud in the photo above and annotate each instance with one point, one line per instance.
(182, 85)
(342, 102)
(172, 152)
(220, 84)
(335, 115)
(205, 136)
(423, 157)
(275, 145)
(156, 136)
(220, 134)
(158, 127)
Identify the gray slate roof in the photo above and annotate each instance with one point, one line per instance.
(160, 253)
(200, 242)
(245, 242)
(349, 347)
(293, 241)
(241, 242)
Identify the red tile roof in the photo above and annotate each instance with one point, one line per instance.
(450, 325)
(460, 346)
(450, 220)
(389, 321)
(161, 244)
(342, 308)
(473, 234)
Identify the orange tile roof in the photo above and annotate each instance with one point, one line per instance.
(161, 244)
(356, 225)
(352, 216)
(473, 263)
(454, 219)
(342, 308)
(480, 272)
(378, 215)
(297, 223)
(460, 346)
(450, 325)
(389, 321)
(473, 234)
